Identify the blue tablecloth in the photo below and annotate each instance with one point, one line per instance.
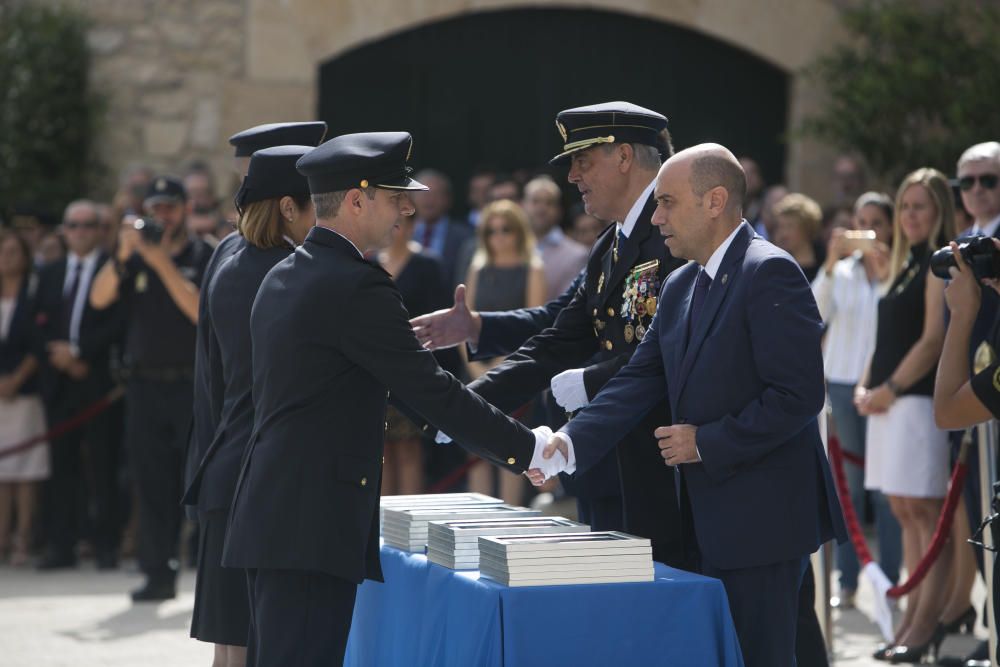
(428, 615)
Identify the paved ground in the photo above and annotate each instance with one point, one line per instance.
(84, 618)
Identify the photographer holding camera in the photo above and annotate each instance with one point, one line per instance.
(156, 273)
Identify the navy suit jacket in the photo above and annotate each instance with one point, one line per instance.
(751, 379)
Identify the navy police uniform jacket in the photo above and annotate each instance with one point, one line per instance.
(331, 339)
(229, 299)
(595, 332)
(750, 377)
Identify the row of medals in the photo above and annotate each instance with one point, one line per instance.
(638, 300)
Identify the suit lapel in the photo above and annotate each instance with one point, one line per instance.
(713, 300)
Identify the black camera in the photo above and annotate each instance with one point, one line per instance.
(979, 253)
(151, 230)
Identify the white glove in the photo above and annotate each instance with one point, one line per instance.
(442, 438)
(569, 391)
(549, 467)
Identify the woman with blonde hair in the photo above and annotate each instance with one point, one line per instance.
(907, 455)
(276, 214)
(506, 274)
(798, 221)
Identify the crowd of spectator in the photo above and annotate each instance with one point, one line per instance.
(73, 325)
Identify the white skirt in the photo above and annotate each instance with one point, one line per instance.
(906, 454)
(20, 419)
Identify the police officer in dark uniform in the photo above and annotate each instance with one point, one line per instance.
(275, 216)
(614, 151)
(330, 340)
(156, 272)
(208, 384)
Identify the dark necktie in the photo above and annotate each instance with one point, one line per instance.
(428, 235)
(69, 299)
(619, 242)
(701, 286)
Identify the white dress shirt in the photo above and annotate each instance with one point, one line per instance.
(628, 224)
(86, 266)
(848, 304)
(989, 229)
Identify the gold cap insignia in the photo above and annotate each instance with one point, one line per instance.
(364, 183)
(161, 184)
(562, 131)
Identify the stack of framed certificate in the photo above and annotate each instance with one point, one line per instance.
(407, 528)
(455, 544)
(433, 500)
(567, 558)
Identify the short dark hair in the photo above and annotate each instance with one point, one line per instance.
(712, 171)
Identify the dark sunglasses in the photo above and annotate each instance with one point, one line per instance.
(490, 231)
(78, 225)
(988, 181)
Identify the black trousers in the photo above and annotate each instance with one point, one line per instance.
(764, 602)
(601, 513)
(158, 415)
(810, 647)
(82, 494)
(298, 619)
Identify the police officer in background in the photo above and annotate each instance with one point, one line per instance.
(330, 340)
(156, 272)
(208, 383)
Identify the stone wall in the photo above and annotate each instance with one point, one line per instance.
(180, 76)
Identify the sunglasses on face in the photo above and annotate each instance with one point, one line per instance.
(490, 231)
(80, 225)
(988, 181)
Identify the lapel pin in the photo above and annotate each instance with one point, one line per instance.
(725, 277)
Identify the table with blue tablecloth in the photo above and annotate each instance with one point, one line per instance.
(428, 615)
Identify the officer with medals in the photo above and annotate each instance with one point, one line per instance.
(330, 341)
(613, 151)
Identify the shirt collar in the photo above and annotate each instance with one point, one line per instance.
(990, 229)
(715, 261)
(85, 262)
(628, 224)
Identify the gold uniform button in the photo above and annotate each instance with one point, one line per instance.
(511, 461)
(364, 481)
(608, 344)
(611, 312)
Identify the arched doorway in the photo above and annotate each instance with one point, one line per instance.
(485, 88)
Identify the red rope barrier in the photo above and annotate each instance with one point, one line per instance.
(851, 457)
(941, 531)
(73, 423)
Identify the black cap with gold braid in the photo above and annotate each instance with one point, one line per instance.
(607, 123)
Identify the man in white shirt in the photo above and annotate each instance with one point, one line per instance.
(562, 257)
(76, 373)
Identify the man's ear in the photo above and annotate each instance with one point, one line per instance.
(354, 199)
(625, 154)
(718, 198)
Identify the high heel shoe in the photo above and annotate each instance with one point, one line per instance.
(883, 652)
(964, 624)
(920, 653)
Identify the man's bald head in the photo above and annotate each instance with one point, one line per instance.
(712, 166)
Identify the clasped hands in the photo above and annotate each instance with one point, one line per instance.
(677, 443)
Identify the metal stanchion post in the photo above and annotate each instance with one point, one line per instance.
(987, 476)
(823, 564)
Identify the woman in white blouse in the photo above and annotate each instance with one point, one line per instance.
(847, 290)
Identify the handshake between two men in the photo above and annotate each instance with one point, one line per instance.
(554, 452)
(677, 445)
